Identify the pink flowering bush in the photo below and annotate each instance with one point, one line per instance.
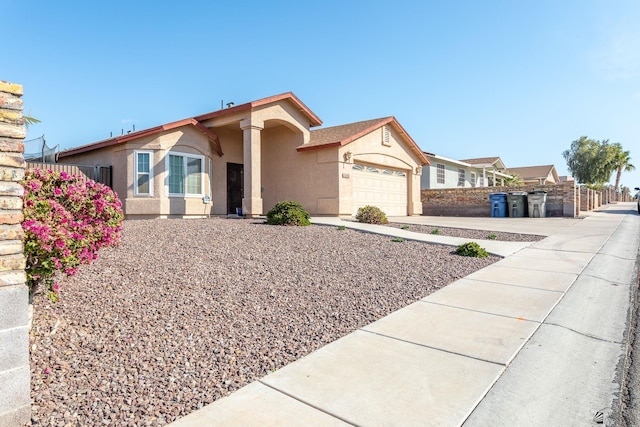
(66, 220)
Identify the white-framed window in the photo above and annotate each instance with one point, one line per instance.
(473, 179)
(461, 177)
(440, 173)
(143, 175)
(185, 174)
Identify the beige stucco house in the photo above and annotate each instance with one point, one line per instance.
(253, 155)
(537, 175)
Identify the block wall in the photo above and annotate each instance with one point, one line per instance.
(562, 200)
(15, 405)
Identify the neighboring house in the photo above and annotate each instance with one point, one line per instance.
(253, 155)
(537, 175)
(448, 173)
(493, 171)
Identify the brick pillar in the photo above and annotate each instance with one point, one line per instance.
(15, 377)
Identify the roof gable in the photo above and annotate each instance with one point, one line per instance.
(339, 136)
(486, 161)
(195, 121)
(314, 120)
(535, 172)
(211, 136)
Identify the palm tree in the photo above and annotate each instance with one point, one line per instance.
(622, 162)
(28, 121)
(514, 181)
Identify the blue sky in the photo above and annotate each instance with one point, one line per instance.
(508, 78)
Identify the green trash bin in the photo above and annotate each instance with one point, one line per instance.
(537, 204)
(517, 204)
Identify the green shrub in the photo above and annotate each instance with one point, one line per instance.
(436, 231)
(371, 215)
(288, 213)
(472, 249)
(492, 237)
(405, 227)
(342, 227)
(397, 239)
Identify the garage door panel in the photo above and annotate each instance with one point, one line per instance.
(384, 188)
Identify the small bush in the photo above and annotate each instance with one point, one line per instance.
(405, 227)
(371, 215)
(342, 227)
(436, 231)
(397, 239)
(288, 213)
(492, 237)
(472, 249)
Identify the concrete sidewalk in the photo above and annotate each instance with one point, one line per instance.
(535, 339)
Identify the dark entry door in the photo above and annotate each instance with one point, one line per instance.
(235, 186)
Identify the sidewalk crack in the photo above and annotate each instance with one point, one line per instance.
(584, 334)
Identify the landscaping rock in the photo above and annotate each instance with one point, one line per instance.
(185, 312)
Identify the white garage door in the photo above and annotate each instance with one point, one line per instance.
(384, 188)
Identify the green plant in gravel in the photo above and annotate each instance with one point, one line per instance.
(342, 227)
(472, 249)
(371, 215)
(397, 239)
(492, 237)
(405, 227)
(436, 231)
(288, 213)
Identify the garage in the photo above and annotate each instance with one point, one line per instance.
(381, 187)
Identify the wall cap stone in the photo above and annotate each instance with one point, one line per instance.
(13, 88)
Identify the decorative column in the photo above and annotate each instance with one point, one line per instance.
(15, 375)
(251, 138)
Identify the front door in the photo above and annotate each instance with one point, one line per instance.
(235, 186)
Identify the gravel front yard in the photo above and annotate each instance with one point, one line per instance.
(187, 311)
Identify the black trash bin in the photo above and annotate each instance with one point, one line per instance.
(498, 202)
(517, 204)
(537, 204)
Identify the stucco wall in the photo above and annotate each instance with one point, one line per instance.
(290, 175)
(562, 200)
(185, 140)
(15, 377)
(319, 179)
(397, 155)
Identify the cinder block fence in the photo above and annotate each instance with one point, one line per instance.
(15, 377)
(562, 200)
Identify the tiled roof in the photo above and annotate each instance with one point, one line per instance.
(344, 133)
(532, 172)
(211, 135)
(313, 119)
(195, 121)
(338, 136)
(481, 160)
